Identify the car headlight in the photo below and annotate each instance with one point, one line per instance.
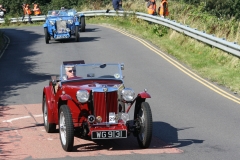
(70, 21)
(82, 96)
(128, 94)
(52, 23)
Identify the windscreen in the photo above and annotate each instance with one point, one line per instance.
(91, 71)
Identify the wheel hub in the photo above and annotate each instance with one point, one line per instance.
(62, 127)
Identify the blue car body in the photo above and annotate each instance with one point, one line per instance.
(61, 24)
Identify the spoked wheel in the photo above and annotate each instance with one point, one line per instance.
(76, 34)
(82, 21)
(49, 127)
(46, 35)
(144, 123)
(66, 129)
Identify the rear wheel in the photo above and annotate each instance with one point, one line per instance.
(66, 129)
(46, 35)
(82, 21)
(76, 34)
(144, 121)
(49, 127)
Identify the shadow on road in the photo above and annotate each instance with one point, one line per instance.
(90, 30)
(72, 40)
(169, 135)
(16, 68)
(165, 136)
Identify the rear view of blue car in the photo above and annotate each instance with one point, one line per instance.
(61, 24)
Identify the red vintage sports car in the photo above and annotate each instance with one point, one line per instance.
(95, 103)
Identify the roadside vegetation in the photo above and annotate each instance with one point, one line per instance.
(211, 63)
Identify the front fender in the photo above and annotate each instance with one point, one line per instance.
(50, 106)
(76, 23)
(81, 15)
(44, 25)
(144, 95)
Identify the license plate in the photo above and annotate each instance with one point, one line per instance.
(109, 134)
(61, 36)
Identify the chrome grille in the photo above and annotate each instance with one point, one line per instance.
(105, 102)
(61, 26)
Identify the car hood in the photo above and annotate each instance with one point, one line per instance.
(92, 87)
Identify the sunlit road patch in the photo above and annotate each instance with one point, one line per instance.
(22, 135)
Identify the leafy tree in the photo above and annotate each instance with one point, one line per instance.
(224, 8)
(63, 3)
(220, 8)
(236, 9)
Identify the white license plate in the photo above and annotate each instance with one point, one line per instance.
(61, 36)
(109, 134)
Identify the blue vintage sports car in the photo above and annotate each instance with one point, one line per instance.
(63, 24)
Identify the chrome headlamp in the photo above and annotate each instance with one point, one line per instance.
(70, 21)
(128, 94)
(82, 96)
(52, 22)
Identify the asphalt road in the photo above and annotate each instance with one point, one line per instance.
(189, 113)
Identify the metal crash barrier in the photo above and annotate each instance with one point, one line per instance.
(221, 43)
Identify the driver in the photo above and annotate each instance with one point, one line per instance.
(71, 72)
(54, 13)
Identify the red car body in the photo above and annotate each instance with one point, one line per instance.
(104, 112)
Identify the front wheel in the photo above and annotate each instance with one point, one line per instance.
(82, 21)
(46, 35)
(66, 129)
(144, 121)
(49, 127)
(76, 34)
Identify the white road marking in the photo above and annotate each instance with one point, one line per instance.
(24, 117)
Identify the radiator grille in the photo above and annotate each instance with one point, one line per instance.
(61, 26)
(105, 102)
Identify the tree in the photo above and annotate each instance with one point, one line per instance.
(64, 3)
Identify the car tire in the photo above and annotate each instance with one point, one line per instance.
(82, 22)
(144, 118)
(66, 129)
(46, 35)
(49, 127)
(76, 34)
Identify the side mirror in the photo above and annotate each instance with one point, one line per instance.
(122, 66)
(54, 80)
